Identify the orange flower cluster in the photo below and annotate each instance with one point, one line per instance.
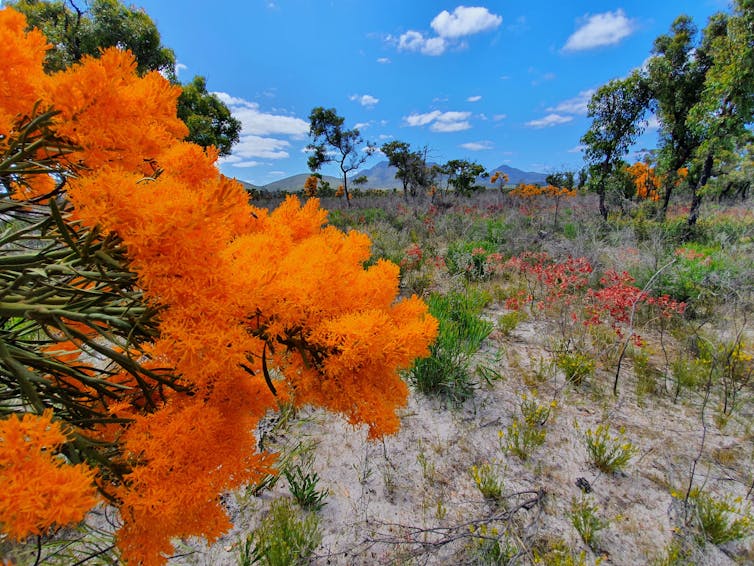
(40, 492)
(310, 186)
(242, 291)
(645, 180)
(499, 175)
(340, 191)
(529, 191)
(648, 182)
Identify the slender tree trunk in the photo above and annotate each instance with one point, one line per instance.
(696, 199)
(345, 189)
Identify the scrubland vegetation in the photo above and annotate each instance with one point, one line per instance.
(441, 374)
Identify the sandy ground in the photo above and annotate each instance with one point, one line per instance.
(411, 498)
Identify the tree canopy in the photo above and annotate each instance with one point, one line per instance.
(332, 143)
(700, 87)
(75, 32)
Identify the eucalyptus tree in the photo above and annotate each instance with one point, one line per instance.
(463, 175)
(617, 111)
(332, 143)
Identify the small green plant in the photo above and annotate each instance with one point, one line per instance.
(489, 548)
(507, 323)
(557, 552)
(609, 453)
(302, 482)
(284, 537)
(585, 520)
(446, 371)
(646, 374)
(720, 519)
(487, 481)
(524, 435)
(576, 367)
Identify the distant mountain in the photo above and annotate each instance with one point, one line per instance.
(516, 176)
(382, 176)
(248, 186)
(296, 183)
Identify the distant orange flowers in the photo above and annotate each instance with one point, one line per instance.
(529, 191)
(240, 290)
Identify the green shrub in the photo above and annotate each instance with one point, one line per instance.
(576, 367)
(720, 520)
(585, 520)
(487, 481)
(284, 538)
(525, 434)
(470, 259)
(302, 482)
(609, 453)
(446, 372)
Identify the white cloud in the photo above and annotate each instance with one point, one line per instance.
(576, 105)
(362, 125)
(415, 41)
(441, 121)
(258, 132)
(498, 117)
(464, 21)
(653, 123)
(450, 28)
(477, 146)
(599, 30)
(444, 127)
(577, 149)
(366, 100)
(258, 146)
(256, 122)
(422, 119)
(178, 68)
(383, 60)
(475, 98)
(549, 121)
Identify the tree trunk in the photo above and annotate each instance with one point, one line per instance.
(696, 199)
(345, 189)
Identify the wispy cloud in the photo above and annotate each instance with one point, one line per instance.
(178, 66)
(440, 121)
(498, 117)
(366, 100)
(576, 105)
(549, 121)
(475, 98)
(383, 60)
(477, 146)
(259, 131)
(450, 28)
(599, 30)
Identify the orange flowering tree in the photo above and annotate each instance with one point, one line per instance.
(649, 183)
(500, 176)
(310, 186)
(529, 191)
(150, 314)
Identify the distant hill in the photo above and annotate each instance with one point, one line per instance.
(516, 176)
(296, 183)
(382, 176)
(248, 186)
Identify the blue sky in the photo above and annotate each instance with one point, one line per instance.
(499, 82)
